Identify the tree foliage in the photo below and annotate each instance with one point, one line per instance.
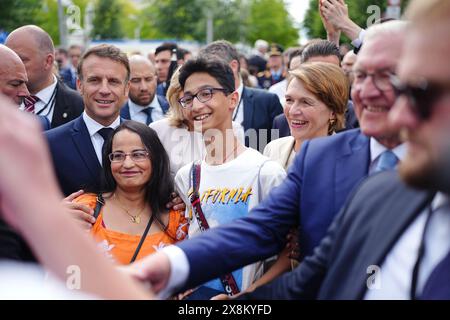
(16, 13)
(269, 20)
(107, 20)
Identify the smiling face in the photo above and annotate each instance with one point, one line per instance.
(130, 174)
(308, 117)
(104, 88)
(426, 164)
(213, 114)
(372, 105)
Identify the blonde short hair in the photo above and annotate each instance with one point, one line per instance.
(175, 115)
(328, 83)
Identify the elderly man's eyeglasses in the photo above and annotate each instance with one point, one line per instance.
(136, 156)
(422, 95)
(381, 80)
(202, 95)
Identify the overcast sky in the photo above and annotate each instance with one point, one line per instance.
(297, 8)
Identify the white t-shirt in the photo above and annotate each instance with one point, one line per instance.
(184, 146)
(228, 192)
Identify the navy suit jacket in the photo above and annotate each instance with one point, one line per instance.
(351, 122)
(319, 181)
(363, 234)
(45, 123)
(74, 159)
(125, 111)
(260, 108)
(68, 105)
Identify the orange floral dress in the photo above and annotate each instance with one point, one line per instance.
(121, 246)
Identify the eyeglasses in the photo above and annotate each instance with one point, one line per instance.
(203, 95)
(422, 95)
(136, 156)
(381, 80)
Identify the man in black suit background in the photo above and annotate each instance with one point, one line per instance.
(144, 104)
(256, 108)
(49, 97)
(391, 241)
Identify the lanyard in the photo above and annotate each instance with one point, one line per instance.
(51, 103)
(239, 105)
(420, 256)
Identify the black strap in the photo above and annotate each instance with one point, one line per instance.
(144, 235)
(420, 255)
(228, 281)
(99, 204)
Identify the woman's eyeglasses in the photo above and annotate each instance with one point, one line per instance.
(136, 156)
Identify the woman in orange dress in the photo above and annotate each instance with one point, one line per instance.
(131, 206)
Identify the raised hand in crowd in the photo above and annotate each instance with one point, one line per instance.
(333, 33)
(335, 13)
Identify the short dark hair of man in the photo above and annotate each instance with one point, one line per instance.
(216, 68)
(159, 188)
(105, 51)
(222, 49)
(320, 48)
(297, 52)
(167, 46)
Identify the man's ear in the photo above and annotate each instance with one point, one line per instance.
(79, 86)
(234, 99)
(49, 60)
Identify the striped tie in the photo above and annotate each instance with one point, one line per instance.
(29, 103)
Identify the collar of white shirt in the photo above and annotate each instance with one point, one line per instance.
(93, 126)
(45, 95)
(376, 149)
(135, 108)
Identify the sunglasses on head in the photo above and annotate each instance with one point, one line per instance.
(422, 95)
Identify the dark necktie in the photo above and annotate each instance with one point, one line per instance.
(29, 103)
(437, 286)
(106, 133)
(148, 112)
(387, 161)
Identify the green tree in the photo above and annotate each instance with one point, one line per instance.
(16, 13)
(358, 12)
(270, 20)
(107, 20)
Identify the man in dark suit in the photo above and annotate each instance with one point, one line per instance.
(51, 98)
(256, 108)
(143, 105)
(76, 147)
(319, 51)
(319, 181)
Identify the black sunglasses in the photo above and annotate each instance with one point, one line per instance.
(422, 95)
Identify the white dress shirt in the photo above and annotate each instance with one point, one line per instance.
(395, 275)
(93, 127)
(137, 114)
(238, 113)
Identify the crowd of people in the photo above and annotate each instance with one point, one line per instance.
(308, 173)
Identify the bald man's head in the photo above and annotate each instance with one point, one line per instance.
(35, 48)
(13, 77)
(143, 80)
